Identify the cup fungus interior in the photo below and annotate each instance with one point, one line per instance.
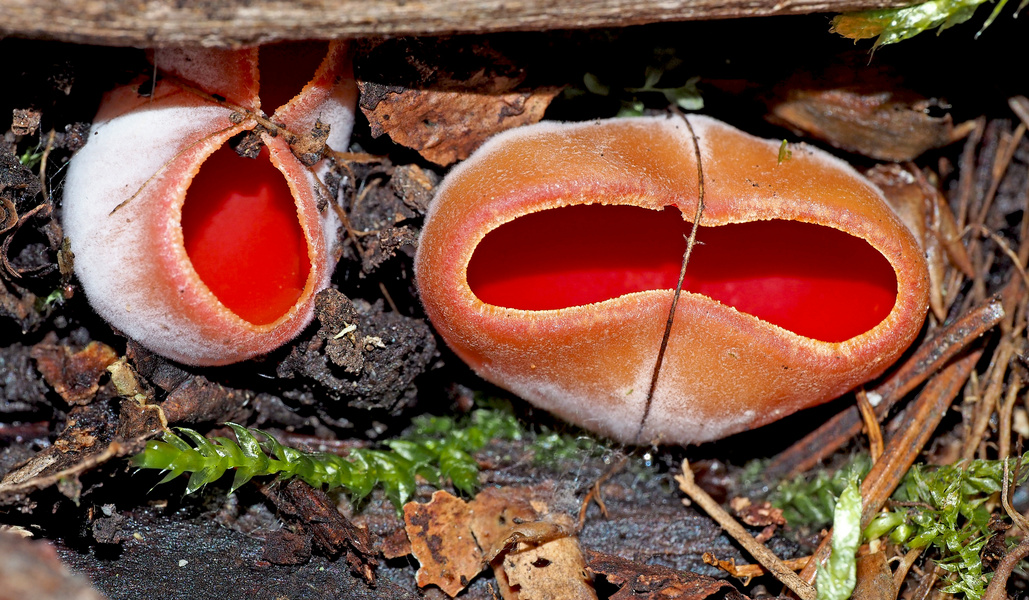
(813, 280)
(243, 236)
(285, 69)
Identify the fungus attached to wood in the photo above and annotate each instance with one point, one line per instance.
(202, 255)
(549, 261)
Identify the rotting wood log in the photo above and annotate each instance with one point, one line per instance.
(243, 22)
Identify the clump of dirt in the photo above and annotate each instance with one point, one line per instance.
(361, 354)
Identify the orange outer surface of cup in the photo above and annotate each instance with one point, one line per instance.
(724, 371)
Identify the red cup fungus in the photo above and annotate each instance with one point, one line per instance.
(199, 254)
(549, 260)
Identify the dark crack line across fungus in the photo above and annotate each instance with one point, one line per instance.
(690, 242)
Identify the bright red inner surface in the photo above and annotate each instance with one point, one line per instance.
(812, 280)
(285, 70)
(243, 236)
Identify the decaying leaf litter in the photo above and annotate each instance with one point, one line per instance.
(77, 399)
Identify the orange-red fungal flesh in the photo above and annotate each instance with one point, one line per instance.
(151, 237)
(811, 280)
(243, 237)
(606, 203)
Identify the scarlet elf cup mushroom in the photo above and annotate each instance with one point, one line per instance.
(549, 259)
(199, 254)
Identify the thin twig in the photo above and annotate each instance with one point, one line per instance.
(905, 565)
(42, 166)
(983, 230)
(1006, 410)
(988, 404)
(998, 588)
(690, 242)
(966, 168)
(749, 571)
(594, 494)
(759, 551)
(875, 434)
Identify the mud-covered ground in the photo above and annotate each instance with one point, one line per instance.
(77, 399)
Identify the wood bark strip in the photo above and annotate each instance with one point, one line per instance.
(244, 22)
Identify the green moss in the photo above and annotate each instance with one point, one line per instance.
(892, 25)
(942, 506)
(437, 448)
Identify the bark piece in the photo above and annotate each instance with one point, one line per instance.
(248, 22)
(333, 534)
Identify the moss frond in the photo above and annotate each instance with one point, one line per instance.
(439, 449)
(943, 506)
(892, 25)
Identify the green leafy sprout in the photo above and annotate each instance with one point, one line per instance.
(943, 506)
(633, 100)
(892, 25)
(438, 449)
(837, 577)
(30, 158)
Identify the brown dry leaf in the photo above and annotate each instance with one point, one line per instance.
(494, 512)
(73, 375)
(875, 116)
(756, 515)
(654, 582)
(928, 215)
(445, 100)
(25, 121)
(442, 541)
(396, 544)
(555, 569)
(904, 195)
(874, 578)
(92, 435)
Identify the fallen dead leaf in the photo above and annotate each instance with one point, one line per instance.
(655, 582)
(510, 528)
(875, 116)
(445, 113)
(73, 375)
(756, 515)
(552, 570)
(442, 541)
(494, 512)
